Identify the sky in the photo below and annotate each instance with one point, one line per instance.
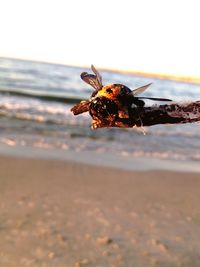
(137, 35)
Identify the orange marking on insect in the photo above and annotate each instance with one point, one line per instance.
(110, 91)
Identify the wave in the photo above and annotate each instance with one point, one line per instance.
(20, 107)
(46, 97)
(35, 103)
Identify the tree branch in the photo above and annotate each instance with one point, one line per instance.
(159, 114)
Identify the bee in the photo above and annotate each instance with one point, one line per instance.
(113, 104)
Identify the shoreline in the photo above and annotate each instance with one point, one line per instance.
(93, 158)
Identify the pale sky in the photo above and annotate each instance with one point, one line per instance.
(136, 35)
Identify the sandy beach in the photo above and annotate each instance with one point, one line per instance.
(62, 214)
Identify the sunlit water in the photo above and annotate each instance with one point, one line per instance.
(38, 122)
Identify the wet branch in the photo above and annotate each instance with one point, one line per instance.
(159, 114)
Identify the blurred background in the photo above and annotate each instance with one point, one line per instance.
(57, 212)
(45, 45)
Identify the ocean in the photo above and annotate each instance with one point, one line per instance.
(35, 103)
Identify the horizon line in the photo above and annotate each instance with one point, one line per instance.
(157, 75)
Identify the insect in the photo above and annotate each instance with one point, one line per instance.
(113, 104)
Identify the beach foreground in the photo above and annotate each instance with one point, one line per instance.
(64, 214)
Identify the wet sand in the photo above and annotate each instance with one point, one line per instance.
(62, 214)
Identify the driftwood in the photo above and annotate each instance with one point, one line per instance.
(116, 105)
(158, 114)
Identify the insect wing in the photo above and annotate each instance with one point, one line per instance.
(95, 80)
(140, 90)
(98, 75)
(90, 79)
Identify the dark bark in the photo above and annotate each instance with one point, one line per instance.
(158, 114)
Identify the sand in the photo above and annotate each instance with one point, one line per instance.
(62, 214)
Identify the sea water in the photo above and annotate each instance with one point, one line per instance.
(35, 103)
